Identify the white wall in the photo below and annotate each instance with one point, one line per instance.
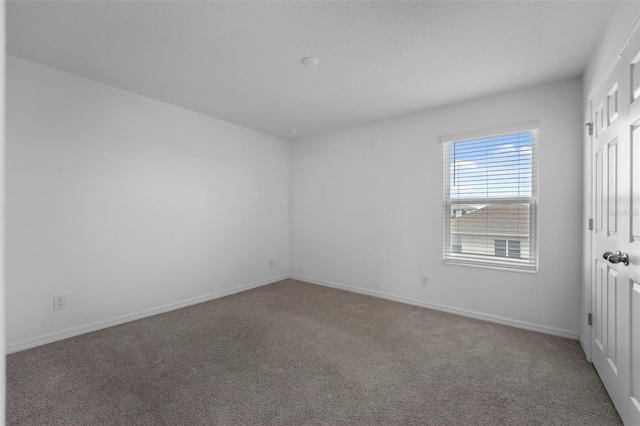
(366, 210)
(130, 206)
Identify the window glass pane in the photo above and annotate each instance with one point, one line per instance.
(493, 167)
(499, 229)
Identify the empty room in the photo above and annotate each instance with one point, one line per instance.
(319, 212)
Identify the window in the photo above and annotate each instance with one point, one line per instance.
(490, 204)
(503, 248)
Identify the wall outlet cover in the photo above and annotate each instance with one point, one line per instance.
(59, 302)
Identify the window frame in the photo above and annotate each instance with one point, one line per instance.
(482, 261)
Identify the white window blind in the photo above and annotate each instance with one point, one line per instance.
(490, 204)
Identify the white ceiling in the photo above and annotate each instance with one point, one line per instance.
(240, 61)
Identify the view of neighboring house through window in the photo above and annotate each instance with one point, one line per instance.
(506, 248)
(491, 199)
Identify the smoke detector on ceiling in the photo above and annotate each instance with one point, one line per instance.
(309, 61)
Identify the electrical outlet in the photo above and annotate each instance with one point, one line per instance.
(425, 281)
(59, 302)
(272, 263)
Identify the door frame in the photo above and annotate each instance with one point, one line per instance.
(588, 284)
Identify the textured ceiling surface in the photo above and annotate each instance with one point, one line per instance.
(240, 61)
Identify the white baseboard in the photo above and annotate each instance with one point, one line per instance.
(585, 346)
(76, 331)
(450, 309)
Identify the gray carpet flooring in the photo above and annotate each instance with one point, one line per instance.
(293, 353)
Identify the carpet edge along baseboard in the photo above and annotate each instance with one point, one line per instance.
(122, 319)
(553, 331)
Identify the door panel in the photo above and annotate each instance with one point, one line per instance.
(635, 183)
(599, 120)
(599, 196)
(612, 190)
(612, 321)
(635, 350)
(599, 324)
(635, 78)
(612, 104)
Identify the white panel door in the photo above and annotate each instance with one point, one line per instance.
(630, 62)
(609, 154)
(616, 203)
